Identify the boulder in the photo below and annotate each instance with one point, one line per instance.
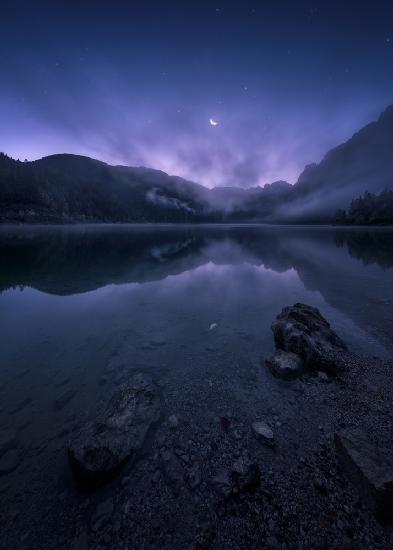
(285, 364)
(105, 443)
(370, 467)
(302, 330)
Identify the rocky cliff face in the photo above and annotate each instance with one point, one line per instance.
(363, 163)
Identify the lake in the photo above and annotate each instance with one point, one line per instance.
(82, 307)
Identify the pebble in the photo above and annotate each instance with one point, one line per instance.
(263, 431)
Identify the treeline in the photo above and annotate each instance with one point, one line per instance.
(369, 209)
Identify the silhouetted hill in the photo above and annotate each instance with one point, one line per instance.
(71, 188)
(63, 188)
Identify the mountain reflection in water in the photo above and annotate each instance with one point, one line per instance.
(351, 268)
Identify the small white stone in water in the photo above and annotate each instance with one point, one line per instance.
(213, 326)
(263, 431)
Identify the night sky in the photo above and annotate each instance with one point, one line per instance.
(137, 82)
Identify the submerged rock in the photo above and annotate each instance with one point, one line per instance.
(302, 330)
(370, 467)
(107, 442)
(285, 364)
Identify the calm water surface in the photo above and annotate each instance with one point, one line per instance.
(80, 306)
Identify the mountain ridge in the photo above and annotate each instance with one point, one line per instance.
(63, 188)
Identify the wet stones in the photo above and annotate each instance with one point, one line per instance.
(302, 330)
(370, 468)
(105, 443)
(285, 365)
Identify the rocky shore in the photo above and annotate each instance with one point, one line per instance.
(212, 458)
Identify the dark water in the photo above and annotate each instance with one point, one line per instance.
(78, 305)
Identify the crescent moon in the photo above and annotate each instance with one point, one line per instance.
(213, 122)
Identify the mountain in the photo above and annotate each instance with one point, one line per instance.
(72, 188)
(363, 163)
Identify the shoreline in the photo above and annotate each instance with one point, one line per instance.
(189, 486)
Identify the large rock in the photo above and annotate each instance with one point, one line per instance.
(302, 330)
(285, 364)
(370, 467)
(107, 442)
